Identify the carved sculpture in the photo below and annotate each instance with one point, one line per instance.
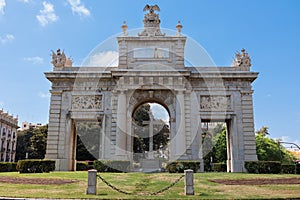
(151, 22)
(59, 59)
(87, 102)
(220, 103)
(242, 59)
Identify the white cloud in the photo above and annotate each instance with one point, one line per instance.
(25, 1)
(79, 8)
(7, 38)
(34, 60)
(47, 15)
(104, 59)
(44, 95)
(2, 5)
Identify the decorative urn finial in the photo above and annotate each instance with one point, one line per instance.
(124, 28)
(179, 27)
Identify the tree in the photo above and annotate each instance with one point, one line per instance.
(220, 147)
(214, 146)
(141, 139)
(88, 140)
(38, 142)
(269, 150)
(263, 131)
(33, 142)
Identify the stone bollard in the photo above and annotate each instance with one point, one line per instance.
(189, 182)
(92, 182)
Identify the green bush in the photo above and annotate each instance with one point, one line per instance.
(82, 166)
(269, 167)
(288, 169)
(263, 167)
(252, 167)
(180, 166)
(219, 167)
(35, 166)
(112, 165)
(8, 167)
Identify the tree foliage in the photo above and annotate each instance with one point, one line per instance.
(269, 150)
(33, 142)
(141, 139)
(215, 147)
(88, 140)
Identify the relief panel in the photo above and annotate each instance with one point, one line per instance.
(87, 102)
(215, 103)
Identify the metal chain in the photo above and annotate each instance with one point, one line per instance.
(113, 187)
(168, 187)
(153, 193)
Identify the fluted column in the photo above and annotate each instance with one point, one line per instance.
(121, 124)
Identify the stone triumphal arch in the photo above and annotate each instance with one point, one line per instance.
(151, 68)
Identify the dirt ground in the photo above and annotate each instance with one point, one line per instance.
(39, 181)
(258, 181)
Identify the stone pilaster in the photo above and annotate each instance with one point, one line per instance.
(54, 125)
(180, 139)
(188, 136)
(248, 127)
(121, 125)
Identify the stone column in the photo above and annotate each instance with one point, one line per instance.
(92, 182)
(180, 140)
(189, 182)
(121, 124)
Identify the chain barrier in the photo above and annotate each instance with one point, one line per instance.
(111, 186)
(168, 187)
(153, 193)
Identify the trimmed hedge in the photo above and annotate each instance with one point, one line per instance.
(8, 167)
(180, 166)
(82, 166)
(219, 167)
(112, 165)
(35, 166)
(263, 167)
(297, 168)
(288, 169)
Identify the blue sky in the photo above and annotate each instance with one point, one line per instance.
(269, 30)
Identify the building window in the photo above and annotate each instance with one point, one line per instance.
(4, 132)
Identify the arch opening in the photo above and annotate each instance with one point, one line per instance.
(150, 134)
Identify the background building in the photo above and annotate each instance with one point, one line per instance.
(27, 125)
(8, 135)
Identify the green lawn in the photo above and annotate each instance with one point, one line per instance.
(140, 185)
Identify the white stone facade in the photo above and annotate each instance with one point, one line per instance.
(28, 125)
(8, 134)
(151, 69)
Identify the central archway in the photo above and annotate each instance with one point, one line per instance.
(150, 135)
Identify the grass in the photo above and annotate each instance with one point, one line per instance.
(140, 185)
